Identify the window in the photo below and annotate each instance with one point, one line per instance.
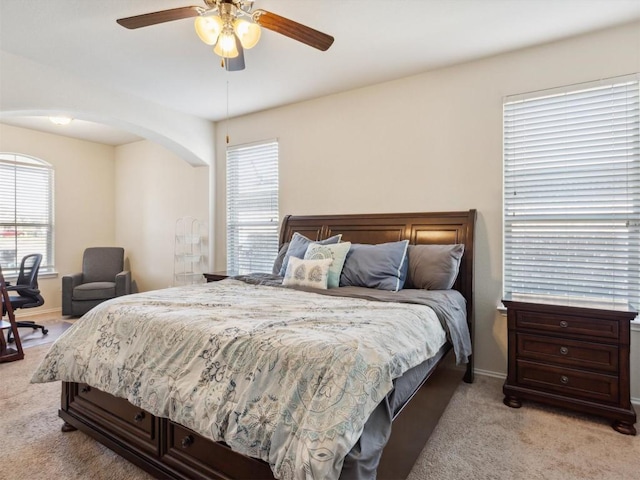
(572, 192)
(252, 207)
(26, 211)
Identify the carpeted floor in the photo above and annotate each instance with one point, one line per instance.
(478, 438)
(32, 337)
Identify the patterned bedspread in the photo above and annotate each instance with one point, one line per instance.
(283, 375)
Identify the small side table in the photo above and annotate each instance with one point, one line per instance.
(8, 354)
(215, 276)
(571, 356)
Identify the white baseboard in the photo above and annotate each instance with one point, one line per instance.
(26, 313)
(502, 376)
(489, 373)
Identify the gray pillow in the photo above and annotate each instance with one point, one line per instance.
(298, 247)
(434, 267)
(382, 266)
(277, 263)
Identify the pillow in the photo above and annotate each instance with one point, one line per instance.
(277, 263)
(336, 252)
(307, 273)
(434, 267)
(382, 266)
(298, 247)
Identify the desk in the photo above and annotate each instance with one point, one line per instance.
(8, 354)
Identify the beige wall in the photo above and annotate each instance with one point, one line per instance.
(128, 196)
(154, 188)
(84, 198)
(427, 142)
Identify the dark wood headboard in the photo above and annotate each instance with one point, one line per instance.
(418, 228)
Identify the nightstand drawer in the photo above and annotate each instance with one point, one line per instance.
(567, 381)
(584, 355)
(602, 329)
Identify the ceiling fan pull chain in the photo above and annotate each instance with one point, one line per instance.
(227, 120)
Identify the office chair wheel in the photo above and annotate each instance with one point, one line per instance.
(45, 331)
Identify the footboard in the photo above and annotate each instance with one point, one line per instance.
(161, 447)
(168, 450)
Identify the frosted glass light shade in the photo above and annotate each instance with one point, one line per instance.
(247, 32)
(60, 120)
(208, 28)
(226, 46)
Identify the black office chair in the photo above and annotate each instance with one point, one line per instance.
(28, 293)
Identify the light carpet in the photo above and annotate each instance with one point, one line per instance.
(477, 438)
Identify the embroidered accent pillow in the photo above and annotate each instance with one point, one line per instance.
(307, 273)
(298, 247)
(336, 252)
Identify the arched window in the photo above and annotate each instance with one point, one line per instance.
(26, 211)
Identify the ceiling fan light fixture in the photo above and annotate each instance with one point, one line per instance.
(208, 28)
(226, 46)
(60, 120)
(247, 32)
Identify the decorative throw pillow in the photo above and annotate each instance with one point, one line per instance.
(277, 263)
(298, 247)
(307, 273)
(434, 267)
(382, 266)
(336, 252)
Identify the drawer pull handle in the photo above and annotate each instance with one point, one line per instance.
(85, 389)
(564, 323)
(187, 441)
(139, 417)
(564, 379)
(564, 350)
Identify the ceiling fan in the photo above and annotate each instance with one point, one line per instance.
(231, 26)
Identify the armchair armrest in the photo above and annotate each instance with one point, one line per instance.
(72, 280)
(123, 283)
(69, 282)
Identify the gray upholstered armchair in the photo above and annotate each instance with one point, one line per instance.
(102, 277)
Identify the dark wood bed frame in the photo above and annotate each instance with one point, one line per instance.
(168, 450)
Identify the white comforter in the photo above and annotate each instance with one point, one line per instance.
(286, 376)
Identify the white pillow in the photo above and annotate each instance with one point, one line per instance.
(307, 273)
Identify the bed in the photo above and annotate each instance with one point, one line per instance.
(176, 441)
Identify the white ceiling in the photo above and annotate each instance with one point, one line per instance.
(375, 41)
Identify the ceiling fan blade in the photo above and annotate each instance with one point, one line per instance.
(237, 63)
(162, 16)
(292, 29)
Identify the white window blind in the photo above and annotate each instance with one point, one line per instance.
(252, 207)
(572, 192)
(26, 211)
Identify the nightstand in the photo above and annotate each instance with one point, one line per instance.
(570, 356)
(215, 276)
